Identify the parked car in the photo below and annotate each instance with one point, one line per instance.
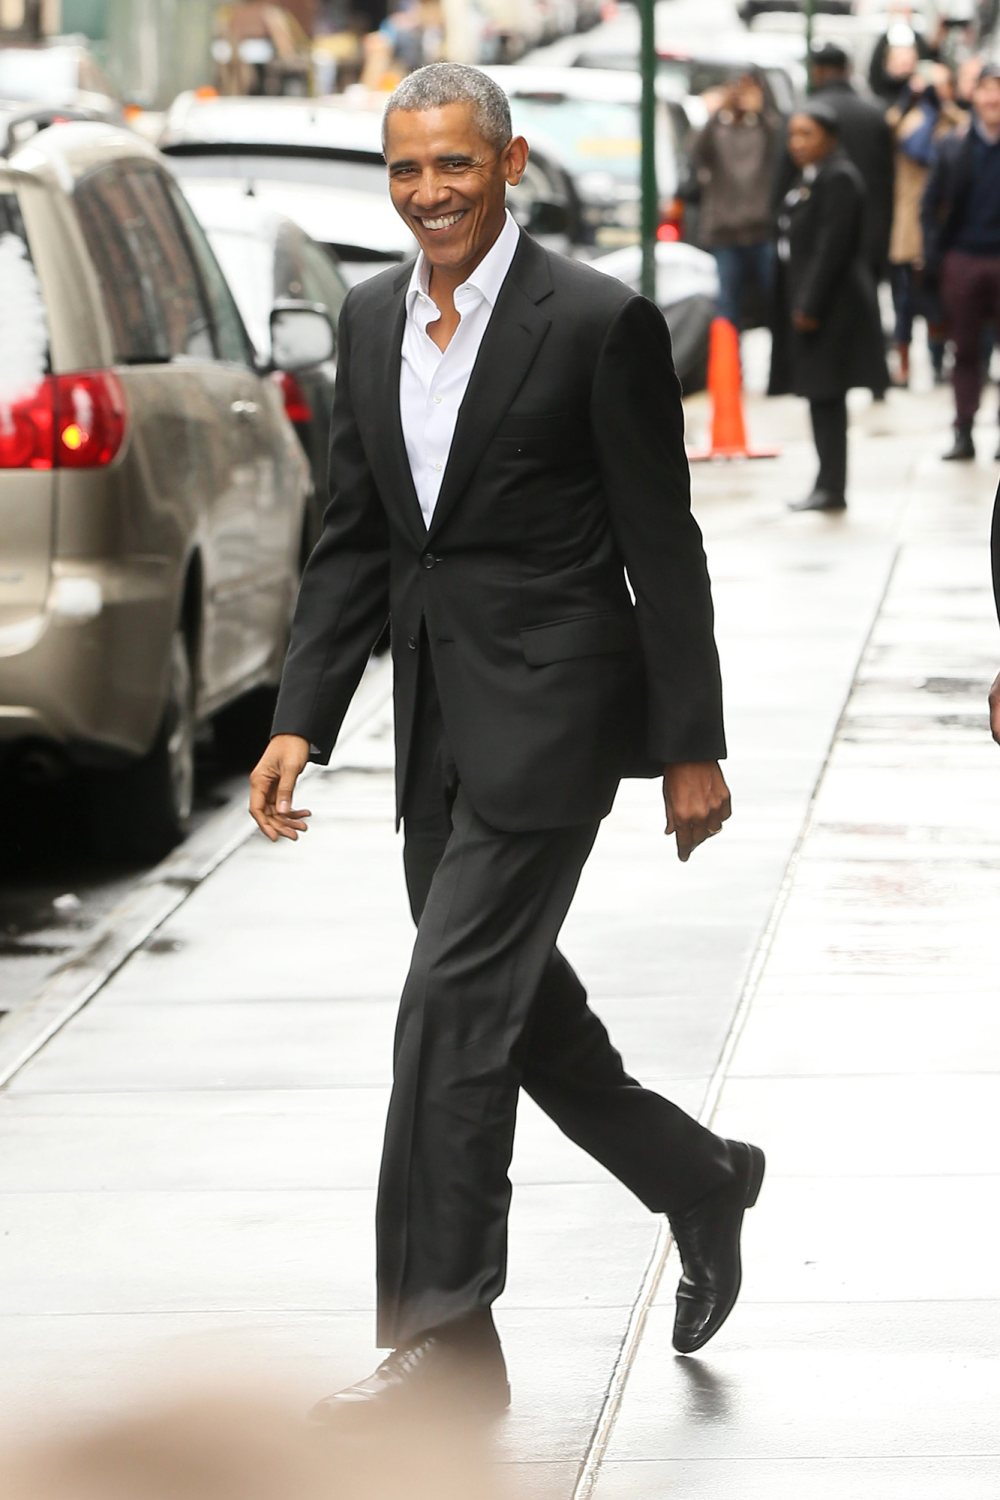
(153, 493)
(62, 71)
(268, 260)
(592, 118)
(320, 163)
(695, 71)
(687, 290)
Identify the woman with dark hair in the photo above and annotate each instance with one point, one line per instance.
(828, 333)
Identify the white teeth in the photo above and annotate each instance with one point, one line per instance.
(444, 223)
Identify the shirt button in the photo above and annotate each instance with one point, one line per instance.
(438, 468)
(438, 400)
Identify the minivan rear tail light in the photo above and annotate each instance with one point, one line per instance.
(90, 419)
(26, 429)
(66, 422)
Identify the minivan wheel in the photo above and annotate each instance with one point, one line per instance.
(141, 811)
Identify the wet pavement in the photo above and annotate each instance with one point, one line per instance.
(55, 890)
(188, 1165)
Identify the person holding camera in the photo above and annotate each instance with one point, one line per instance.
(924, 113)
(736, 156)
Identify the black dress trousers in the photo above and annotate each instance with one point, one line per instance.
(489, 1006)
(829, 424)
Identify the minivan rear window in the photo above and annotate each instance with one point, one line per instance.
(24, 335)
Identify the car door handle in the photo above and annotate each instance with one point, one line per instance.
(244, 408)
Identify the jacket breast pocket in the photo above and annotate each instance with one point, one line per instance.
(587, 635)
(542, 432)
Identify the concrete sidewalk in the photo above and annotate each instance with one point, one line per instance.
(188, 1167)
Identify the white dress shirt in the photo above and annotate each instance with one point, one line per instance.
(432, 384)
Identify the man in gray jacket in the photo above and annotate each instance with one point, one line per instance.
(736, 156)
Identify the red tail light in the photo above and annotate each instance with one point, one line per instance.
(90, 419)
(66, 422)
(297, 405)
(671, 224)
(26, 429)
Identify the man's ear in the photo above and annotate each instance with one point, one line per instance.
(516, 159)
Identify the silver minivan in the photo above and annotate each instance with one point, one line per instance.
(153, 494)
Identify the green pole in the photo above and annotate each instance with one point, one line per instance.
(650, 207)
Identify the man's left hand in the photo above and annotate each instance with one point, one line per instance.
(697, 800)
(995, 709)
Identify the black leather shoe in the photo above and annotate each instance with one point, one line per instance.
(962, 449)
(819, 500)
(432, 1376)
(707, 1237)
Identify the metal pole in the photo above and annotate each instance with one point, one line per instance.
(650, 206)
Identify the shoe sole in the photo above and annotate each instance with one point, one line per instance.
(756, 1162)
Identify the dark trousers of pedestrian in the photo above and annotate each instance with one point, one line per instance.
(970, 295)
(829, 425)
(740, 268)
(913, 298)
(491, 1006)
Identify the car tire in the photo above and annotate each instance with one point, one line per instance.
(242, 729)
(141, 811)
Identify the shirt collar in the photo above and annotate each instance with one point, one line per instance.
(488, 277)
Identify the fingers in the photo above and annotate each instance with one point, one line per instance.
(272, 786)
(698, 804)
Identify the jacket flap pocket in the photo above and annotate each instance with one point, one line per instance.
(588, 635)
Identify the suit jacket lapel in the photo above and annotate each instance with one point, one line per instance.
(511, 342)
(389, 355)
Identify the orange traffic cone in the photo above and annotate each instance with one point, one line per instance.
(725, 387)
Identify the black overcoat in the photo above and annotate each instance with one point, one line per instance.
(867, 141)
(827, 277)
(567, 471)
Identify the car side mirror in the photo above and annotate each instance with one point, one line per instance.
(548, 217)
(301, 336)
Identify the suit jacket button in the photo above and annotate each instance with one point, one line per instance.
(429, 560)
(411, 642)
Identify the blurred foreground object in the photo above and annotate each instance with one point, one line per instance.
(219, 1446)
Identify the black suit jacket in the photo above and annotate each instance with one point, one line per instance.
(945, 195)
(567, 468)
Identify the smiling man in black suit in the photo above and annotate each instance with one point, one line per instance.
(507, 443)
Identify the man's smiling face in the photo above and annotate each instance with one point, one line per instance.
(449, 184)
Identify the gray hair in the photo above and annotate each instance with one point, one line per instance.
(443, 83)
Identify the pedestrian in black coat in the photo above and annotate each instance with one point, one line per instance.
(828, 334)
(866, 140)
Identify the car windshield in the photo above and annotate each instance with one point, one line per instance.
(248, 266)
(29, 73)
(365, 175)
(593, 135)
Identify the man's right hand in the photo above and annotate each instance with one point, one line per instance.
(272, 787)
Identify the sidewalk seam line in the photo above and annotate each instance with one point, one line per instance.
(608, 1415)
